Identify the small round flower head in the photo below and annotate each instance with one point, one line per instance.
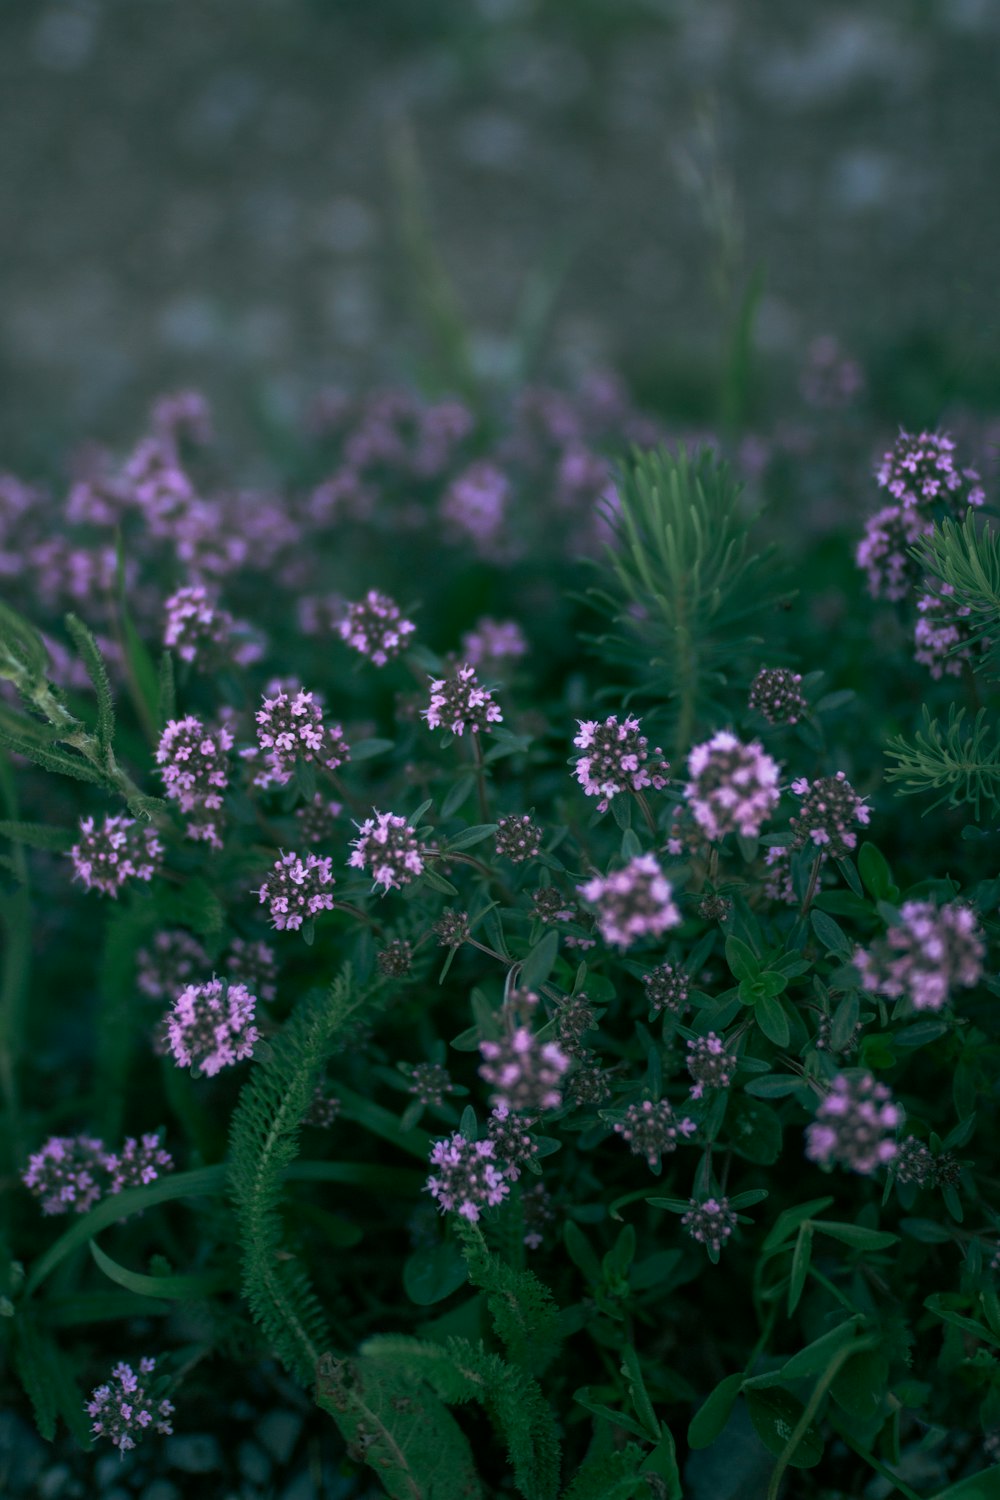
(632, 903)
(913, 1162)
(254, 964)
(550, 905)
(587, 1083)
(130, 1406)
(574, 1017)
(513, 1144)
(467, 1178)
(375, 628)
(396, 960)
(714, 908)
(211, 1026)
(733, 786)
(616, 759)
(933, 951)
(195, 628)
(452, 928)
(169, 963)
(324, 1108)
(290, 728)
(710, 1221)
(524, 1073)
(653, 1130)
(120, 850)
(824, 1038)
(317, 820)
(709, 1063)
(193, 766)
(388, 847)
(854, 1125)
(461, 702)
(830, 806)
(920, 469)
(942, 642)
(68, 1175)
(490, 642)
(667, 988)
(429, 1082)
(778, 884)
(538, 1213)
(775, 694)
(884, 551)
(518, 838)
(138, 1163)
(297, 889)
(474, 504)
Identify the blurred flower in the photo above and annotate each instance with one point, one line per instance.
(68, 1174)
(733, 786)
(120, 850)
(169, 963)
(853, 1125)
(254, 964)
(492, 641)
(525, 1073)
(632, 903)
(932, 951)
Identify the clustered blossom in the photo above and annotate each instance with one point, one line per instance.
(317, 819)
(588, 1083)
(574, 1017)
(297, 889)
(375, 627)
(778, 884)
(254, 964)
(490, 642)
(830, 379)
(467, 1178)
(653, 1130)
(429, 1082)
(616, 759)
(211, 1026)
(933, 951)
(125, 1410)
(632, 903)
(525, 1073)
(192, 763)
(170, 962)
(452, 928)
(474, 504)
(667, 988)
(513, 1144)
(72, 1173)
(550, 905)
(914, 1162)
(854, 1125)
(201, 633)
(395, 960)
(733, 786)
(518, 838)
(461, 702)
(120, 850)
(921, 476)
(388, 847)
(941, 639)
(710, 1222)
(290, 727)
(829, 806)
(775, 694)
(709, 1063)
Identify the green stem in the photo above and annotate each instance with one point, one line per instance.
(477, 753)
(813, 882)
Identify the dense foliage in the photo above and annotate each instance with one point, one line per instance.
(474, 974)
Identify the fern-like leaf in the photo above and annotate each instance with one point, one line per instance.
(523, 1310)
(610, 1476)
(960, 761)
(966, 559)
(90, 655)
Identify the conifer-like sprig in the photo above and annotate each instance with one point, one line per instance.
(959, 760)
(687, 597)
(962, 561)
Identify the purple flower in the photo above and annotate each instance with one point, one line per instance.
(211, 1026)
(138, 1163)
(193, 766)
(68, 1175)
(942, 640)
(667, 988)
(632, 903)
(291, 728)
(616, 759)
(195, 628)
(474, 504)
(429, 1082)
(514, 1146)
(710, 1221)
(492, 641)
(518, 838)
(653, 1130)
(296, 889)
(525, 1073)
(317, 819)
(830, 380)
(774, 693)
(461, 702)
(913, 1162)
(388, 847)
(375, 628)
(709, 1063)
(733, 786)
(829, 806)
(853, 1125)
(130, 1406)
(932, 952)
(169, 963)
(467, 1179)
(884, 551)
(396, 960)
(120, 850)
(254, 964)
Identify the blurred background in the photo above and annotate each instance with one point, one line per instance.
(259, 199)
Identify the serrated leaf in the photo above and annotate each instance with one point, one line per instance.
(39, 836)
(97, 671)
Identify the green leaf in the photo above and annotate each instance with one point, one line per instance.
(814, 1358)
(859, 1388)
(775, 1413)
(458, 794)
(97, 671)
(171, 1288)
(39, 835)
(712, 1416)
(368, 749)
(632, 1370)
(935, 1305)
(434, 1273)
(844, 1021)
(754, 1129)
(741, 959)
(663, 1463)
(982, 1486)
(928, 1231)
(581, 1252)
(166, 699)
(856, 1235)
(831, 934)
(788, 1222)
(438, 882)
(538, 965)
(770, 1017)
(618, 1418)
(801, 1257)
(49, 758)
(873, 868)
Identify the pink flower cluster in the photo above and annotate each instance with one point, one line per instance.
(388, 847)
(653, 1130)
(775, 694)
(514, 1146)
(710, 1222)
(72, 1173)
(667, 989)
(192, 763)
(524, 1073)
(169, 963)
(632, 903)
(830, 805)
(211, 1026)
(291, 728)
(518, 838)
(930, 953)
(375, 627)
(474, 504)
(733, 786)
(616, 759)
(493, 641)
(125, 1410)
(467, 1178)
(461, 702)
(710, 1064)
(942, 640)
(119, 851)
(853, 1125)
(204, 635)
(296, 889)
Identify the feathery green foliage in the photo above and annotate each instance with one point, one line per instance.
(966, 558)
(523, 1310)
(92, 659)
(960, 761)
